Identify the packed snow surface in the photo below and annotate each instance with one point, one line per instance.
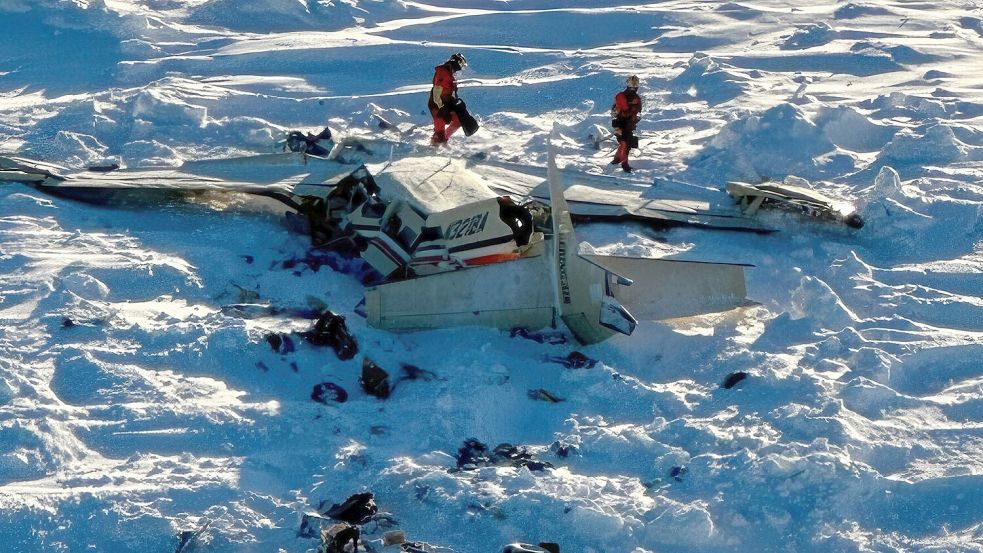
(136, 404)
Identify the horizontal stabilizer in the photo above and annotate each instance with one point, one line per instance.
(668, 289)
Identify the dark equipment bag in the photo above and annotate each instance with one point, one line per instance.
(468, 123)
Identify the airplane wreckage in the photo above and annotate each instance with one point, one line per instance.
(455, 245)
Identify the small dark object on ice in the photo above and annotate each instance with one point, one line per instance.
(412, 372)
(67, 323)
(575, 360)
(329, 391)
(422, 547)
(107, 168)
(357, 509)
(543, 395)
(517, 457)
(309, 143)
(336, 537)
(553, 338)
(677, 473)
(281, 343)
(330, 330)
(474, 454)
(854, 220)
(529, 548)
(374, 379)
(733, 378)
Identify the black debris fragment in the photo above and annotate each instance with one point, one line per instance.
(575, 360)
(412, 372)
(677, 473)
(529, 548)
(733, 378)
(474, 454)
(67, 323)
(329, 391)
(422, 547)
(103, 168)
(543, 395)
(280, 343)
(542, 337)
(330, 330)
(357, 509)
(374, 379)
(335, 538)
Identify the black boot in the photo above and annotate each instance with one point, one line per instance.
(625, 167)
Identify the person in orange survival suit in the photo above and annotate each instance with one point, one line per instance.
(625, 114)
(443, 95)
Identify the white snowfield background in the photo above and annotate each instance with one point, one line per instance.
(858, 428)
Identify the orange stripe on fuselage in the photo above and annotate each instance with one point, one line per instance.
(493, 258)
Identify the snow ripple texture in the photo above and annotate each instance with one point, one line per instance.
(133, 407)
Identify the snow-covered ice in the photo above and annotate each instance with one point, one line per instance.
(135, 404)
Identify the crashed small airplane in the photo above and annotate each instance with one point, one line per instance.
(450, 248)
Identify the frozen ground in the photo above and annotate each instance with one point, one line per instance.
(132, 406)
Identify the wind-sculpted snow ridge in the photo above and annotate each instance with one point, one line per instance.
(154, 378)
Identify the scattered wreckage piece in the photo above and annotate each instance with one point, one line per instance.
(359, 508)
(799, 198)
(544, 547)
(474, 454)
